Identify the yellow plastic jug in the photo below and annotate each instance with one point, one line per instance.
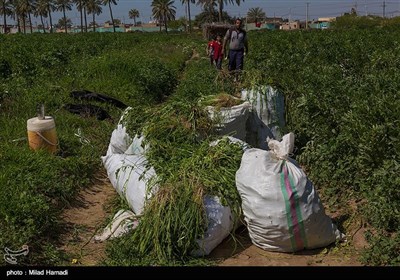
(42, 134)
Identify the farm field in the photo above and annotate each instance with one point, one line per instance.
(341, 102)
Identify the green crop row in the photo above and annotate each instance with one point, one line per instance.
(341, 94)
(37, 186)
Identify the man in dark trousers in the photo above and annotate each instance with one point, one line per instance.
(238, 47)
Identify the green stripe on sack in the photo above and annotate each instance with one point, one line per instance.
(287, 206)
(298, 211)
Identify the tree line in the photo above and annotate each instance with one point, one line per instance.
(163, 11)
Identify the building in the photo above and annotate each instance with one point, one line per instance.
(292, 25)
(210, 30)
(275, 20)
(322, 23)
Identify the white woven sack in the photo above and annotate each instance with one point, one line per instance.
(266, 117)
(220, 224)
(128, 175)
(125, 163)
(232, 120)
(282, 210)
(120, 139)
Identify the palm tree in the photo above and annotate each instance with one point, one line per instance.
(51, 7)
(133, 13)
(226, 2)
(85, 3)
(109, 2)
(15, 13)
(163, 10)
(94, 8)
(64, 22)
(188, 9)
(80, 6)
(63, 5)
(254, 14)
(30, 4)
(5, 10)
(42, 11)
(208, 7)
(21, 10)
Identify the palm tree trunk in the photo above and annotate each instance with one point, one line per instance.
(221, 7)
(94, 23)
(211, 13)
(18, 23)
(165, 24)
(65, 21)
(4, 18)
(190, 24)
(23, 23)
(30, 22)
(41, 20)
(84, 11)
(80, 3)
(112, 19)
(134, 21)
(51, 20)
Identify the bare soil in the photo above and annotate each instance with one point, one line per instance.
(85, 218)
(247, 254)
(344, 253)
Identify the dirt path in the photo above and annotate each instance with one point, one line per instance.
(346, 253)
(85, 218)
(247, 254)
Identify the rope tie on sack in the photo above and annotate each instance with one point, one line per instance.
(45, 139)
(282, 149)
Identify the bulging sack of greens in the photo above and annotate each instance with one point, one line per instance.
(266, 116)
(231, 120)
(126, 166)
(282, 209)
(220, 224)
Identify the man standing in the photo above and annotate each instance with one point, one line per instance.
(238, 47)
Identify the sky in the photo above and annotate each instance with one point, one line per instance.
(290, 9)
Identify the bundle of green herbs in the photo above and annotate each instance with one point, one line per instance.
(187, 168)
